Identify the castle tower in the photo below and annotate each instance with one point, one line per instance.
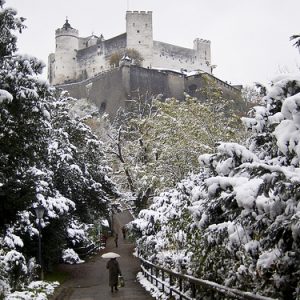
(202, 48)
(64, 62)
(140, 34)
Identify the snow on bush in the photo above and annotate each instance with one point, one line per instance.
(69, 256)
(77, 232)
(239, 217)
(15, 272)
(5, 96)
(38, 290)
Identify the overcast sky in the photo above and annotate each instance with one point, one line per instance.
(249, 38)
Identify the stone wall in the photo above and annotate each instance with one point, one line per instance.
(94, 59)
(111, 90)
(115, 44)
(147, 83)
(175, 57)
(107, 90)
(89, 63)
(194, 83)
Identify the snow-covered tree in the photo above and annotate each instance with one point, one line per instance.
(130, 54)
(161, 141)
(237, 222)
(46, 158)
(252, 96)
(296, 39)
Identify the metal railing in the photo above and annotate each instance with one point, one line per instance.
(188, 287)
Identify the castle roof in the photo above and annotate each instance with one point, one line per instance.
(67, 25)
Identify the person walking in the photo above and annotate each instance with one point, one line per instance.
(114, 271)
(124, 232)
(116, 239)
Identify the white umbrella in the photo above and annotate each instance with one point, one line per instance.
(110, 255)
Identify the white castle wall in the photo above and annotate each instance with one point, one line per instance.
(140, 35)
(65, 55)
(91, 62)
(175, 57)
(203, 49)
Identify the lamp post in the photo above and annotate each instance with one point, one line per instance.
(112, 221)
(39, 211)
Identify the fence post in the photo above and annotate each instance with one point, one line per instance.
(151, 272)
(147, 269)
(171, 283)
(193, 287)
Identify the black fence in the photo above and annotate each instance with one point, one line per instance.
(188, 287)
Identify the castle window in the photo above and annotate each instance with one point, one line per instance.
(138, 31)
(139, 42)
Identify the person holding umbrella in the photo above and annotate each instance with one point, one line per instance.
(114, 269)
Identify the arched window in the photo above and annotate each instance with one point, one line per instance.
(192, 89)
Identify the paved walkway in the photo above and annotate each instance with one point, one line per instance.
(89, 281)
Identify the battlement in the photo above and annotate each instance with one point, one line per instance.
(142, 12)
(69, 31)
(202, 41)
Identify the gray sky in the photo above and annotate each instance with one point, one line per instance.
(249, 38)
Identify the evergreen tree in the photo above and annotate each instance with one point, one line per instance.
(45, 158)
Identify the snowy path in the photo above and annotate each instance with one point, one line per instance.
(89, 281)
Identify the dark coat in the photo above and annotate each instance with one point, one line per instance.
(114, 270)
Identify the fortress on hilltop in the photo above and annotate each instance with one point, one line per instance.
(82, 65)
(78, 58)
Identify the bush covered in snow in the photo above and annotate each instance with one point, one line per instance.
(40, 290)
(69, 256)
(237, 222)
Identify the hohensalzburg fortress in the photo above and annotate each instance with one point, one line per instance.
(78, 58)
